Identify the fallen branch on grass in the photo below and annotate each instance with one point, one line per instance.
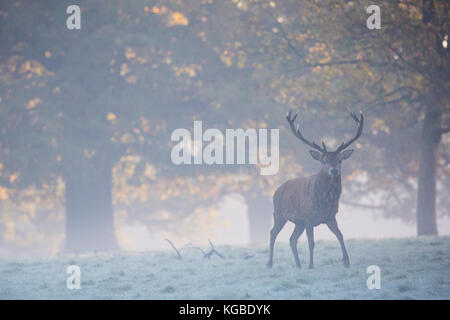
(208, 254)
(249, 256)
(213, 250)
(191, 246)
(174, 248)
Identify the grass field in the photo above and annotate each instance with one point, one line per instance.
(413, 268)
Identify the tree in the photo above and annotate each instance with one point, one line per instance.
(83, 107)
(95, 107)
(399, 76)
(432, 129)
(108, 91)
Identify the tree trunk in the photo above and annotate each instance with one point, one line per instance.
(426, 197)
(259, 211)
(89, 214)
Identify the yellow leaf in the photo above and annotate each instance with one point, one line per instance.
(3, 193)
(126, 138)
(150, 171)
(130, 53)
(131, 79)
(226, 59)
(124, 70)
(178, 19)
(13, 177)
(33, 103)
(111, 116)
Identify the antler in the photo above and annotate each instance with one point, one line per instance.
(360, 123)
(298, 134)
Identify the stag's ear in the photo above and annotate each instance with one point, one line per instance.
(346, 154)
(315, 154)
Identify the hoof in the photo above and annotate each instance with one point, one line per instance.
(269, 265)
(347, 264)
(311, 266)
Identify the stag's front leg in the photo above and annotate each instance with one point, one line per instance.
(332, 224)
(278, 224)
(310, 235)
(293, 241)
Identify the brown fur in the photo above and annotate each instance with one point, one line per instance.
(308, 202)
(312, 200)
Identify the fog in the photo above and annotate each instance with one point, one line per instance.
(232, 228)
(123, 125)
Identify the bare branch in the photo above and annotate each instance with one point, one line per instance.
(445, 130)
(249, 256)
(174, 248)
(213, 250)
(205, 254)
(362, 205)
(191, 246)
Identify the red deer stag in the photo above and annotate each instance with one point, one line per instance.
(308, 202)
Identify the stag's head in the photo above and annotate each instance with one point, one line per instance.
(331, 160)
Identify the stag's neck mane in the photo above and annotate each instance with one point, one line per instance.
(327, 191)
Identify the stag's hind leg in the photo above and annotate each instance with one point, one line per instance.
(310, 235)
(278, 224)
(299, 228)
(332, 224)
